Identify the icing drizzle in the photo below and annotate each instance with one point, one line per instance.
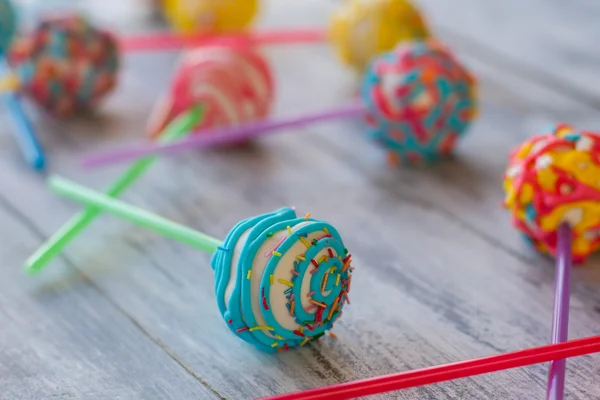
(282, 281)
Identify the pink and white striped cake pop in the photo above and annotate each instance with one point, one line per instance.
(235, 85)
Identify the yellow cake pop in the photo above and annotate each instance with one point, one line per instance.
(209, 15)
(361, 29)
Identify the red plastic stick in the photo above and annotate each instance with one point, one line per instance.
(447, 372)
(169, 40)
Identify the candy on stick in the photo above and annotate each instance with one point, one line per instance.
(65, 65)
(24, 133)
(418, 100)
(233, 84)
(359, 29)
(281, 280)
(54, 245)
(553, 193)
(447, 372)
(210, 15)
(362, 29)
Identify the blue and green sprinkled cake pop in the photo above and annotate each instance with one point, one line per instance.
(281, 281)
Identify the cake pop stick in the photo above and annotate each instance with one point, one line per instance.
(24, 133)
(553, 193)
(65, 65)
(359, 30)
(281, 281)
(54, 245)
(448, 372)
(169, 40)
(560, 322)
(418, 100)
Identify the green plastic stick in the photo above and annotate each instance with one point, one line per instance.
(133, 214)
(54, 245)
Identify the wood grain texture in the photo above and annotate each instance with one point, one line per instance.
(551, 42)
(441, 276)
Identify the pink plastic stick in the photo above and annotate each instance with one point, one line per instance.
(168, 40)
(219, 136)
(447, 372)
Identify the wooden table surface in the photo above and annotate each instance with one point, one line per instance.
(441, 275)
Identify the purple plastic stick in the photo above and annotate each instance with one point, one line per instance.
(218, 136)
(560, 323)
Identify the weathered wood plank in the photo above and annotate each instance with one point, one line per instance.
(70, 341)
(548, 41)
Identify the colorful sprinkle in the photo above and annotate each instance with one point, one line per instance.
(275, 344)
(229, 321)
(310, 308)
(304, 341)
(272, 250)
(242, 329)
(276, 253)
(326, 231)
(292, 304)
(330, 252)
(271, 279)
(262, 328)
(249, 274)
(305, 242)
(333, 335)
(318, 303)
(310, 294)
(270, 234)
(324, 283)
(307, 216)
(264, 301)
(313, 262)
(289, 230)
(285, 282)
(298, 333)
(335, 303)
(301, 257)
(323, 259)
(337, 279)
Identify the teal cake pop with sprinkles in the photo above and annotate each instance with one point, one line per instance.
(420, 100)
(281, 281)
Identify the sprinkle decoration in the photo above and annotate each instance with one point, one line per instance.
(65, 64)
(291, 324)
(554, 178)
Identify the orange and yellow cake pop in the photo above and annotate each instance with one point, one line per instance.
(553, 179)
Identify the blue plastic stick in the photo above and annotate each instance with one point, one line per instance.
(24, 132)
